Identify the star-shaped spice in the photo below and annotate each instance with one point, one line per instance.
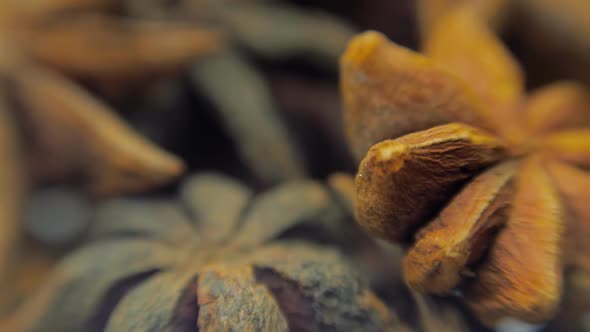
(54, 131)
(212, 260)
(483, 183)
(269, 30)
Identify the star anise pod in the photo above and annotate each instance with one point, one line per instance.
(212, 260)
(270, 30)
(482, 182)
(52, 130)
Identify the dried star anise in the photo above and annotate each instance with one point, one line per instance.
(481, 182)
(54, 131)
(209, 261)
(268, 30)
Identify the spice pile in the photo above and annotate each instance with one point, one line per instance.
(262, 165)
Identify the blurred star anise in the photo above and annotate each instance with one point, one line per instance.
(210, 261)
(483, 182)
(51, 130)
(241, 95)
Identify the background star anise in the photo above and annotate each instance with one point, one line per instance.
(257, 33)
(209, 264)
(53, 131)
(186, 73)
(459, 114)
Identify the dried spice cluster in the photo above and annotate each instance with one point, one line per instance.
(483, 183)
(54, 131)
(208, 264)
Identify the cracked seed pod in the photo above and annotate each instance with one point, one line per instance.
(465, 169)
(270, 30)
(208, 261)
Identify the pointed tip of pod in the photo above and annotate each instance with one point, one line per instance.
(361, 47)
(128, 172)
(373, 211)
(387, 156)
(161, 167)
(171, 166)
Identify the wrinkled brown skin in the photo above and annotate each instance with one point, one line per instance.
(174, 277)
(389, 203)
(458, 236)
(388, 92)
(502, 245)
(526, 258)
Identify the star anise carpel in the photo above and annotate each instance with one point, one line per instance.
(216, 258)
(53, 130)
(464, 168)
